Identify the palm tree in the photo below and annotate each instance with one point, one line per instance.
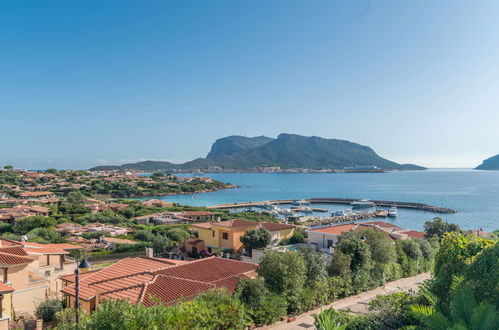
(463, 312)
(328, 320)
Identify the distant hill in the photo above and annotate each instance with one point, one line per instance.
(491, 163)
(287, 151)
(232, 144)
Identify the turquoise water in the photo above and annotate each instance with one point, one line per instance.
(473, 194)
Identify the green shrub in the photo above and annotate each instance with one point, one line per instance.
(272, 308)
(47, 309)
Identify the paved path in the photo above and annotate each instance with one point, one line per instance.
(357, 304)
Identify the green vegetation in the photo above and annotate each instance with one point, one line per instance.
(256, 238)
(214, 309)
(462, 293)
(438, 228)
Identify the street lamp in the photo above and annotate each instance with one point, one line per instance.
(83, 266)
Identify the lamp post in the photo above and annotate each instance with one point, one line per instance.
(84, 266)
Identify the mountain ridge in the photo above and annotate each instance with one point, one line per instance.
(287, 151)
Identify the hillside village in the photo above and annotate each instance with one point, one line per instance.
(151, 253)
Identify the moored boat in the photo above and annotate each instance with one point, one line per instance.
(392, 212)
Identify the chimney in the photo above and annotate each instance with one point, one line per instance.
(149, 253)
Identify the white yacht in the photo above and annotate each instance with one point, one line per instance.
(392, 212)
(300, 202)
(362, 203)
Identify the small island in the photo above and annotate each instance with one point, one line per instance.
(491, 164)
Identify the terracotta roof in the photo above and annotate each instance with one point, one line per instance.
(208, 269)
(120, 275)
(381, 224)
(170, 289)
(412, 233)
(336, 230)
(38, 208)
(15, 249)
(45, 250)
(236, 223)
(205, 225)
(36, 193)
(5, 288)
(169, 283)
(119, 240)
(273, 226)
(71, 277)
(12, 259)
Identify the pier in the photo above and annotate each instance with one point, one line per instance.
(343, 201)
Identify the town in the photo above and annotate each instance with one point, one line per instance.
(72, 244)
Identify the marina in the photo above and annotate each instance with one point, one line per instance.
(345, 201)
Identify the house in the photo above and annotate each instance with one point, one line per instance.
(18, 212)
(32, 270)
(160, 218)
(36, 194)
(112, 242)
(197, 215)
(148, 280)
(222, 235)
(325, 238)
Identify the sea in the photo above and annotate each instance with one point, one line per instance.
(473, 194)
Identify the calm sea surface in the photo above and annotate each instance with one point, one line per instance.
(473, 194)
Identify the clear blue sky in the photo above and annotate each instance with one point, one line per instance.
(104, 82)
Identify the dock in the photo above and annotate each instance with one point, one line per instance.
(342, 201)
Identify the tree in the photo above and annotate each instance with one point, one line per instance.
(75, 197)
(144, 235)
(27, 224)
(462, 312)
(283, 272)
(315, 263)
(8, 167)
(455, 255)
(256, 238)
(483, 274)
(161, 244)
(177, 234)
(340, 264)
(361, 263)
(438, 227)
(251, 292)
(51, 171)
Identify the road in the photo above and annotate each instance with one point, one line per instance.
(357, 304)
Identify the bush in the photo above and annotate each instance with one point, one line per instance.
(272, 308)
(47, 309)
(340, 287)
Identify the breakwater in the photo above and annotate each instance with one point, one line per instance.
(344, 201)
(341, 219)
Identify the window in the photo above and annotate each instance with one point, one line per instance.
(212, 233)
(225, 235)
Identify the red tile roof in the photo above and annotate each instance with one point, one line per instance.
(17, 250)
(413, 233)
(169, 283)
(208, 269)
(336, 230)
(12, 259)
(170, 289)
(236, 223)
(274, 226)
